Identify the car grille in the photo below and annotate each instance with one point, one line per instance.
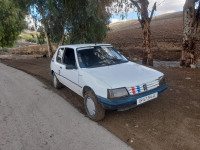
(143, 87)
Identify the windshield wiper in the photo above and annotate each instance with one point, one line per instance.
(116, 59)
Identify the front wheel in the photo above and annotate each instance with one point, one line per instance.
(94, 109)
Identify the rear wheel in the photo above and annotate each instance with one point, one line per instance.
(94, 109)
(56, 83)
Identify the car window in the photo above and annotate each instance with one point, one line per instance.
(59, 57)
(69, 57)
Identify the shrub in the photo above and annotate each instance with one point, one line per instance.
(4, 50)
(32, 40)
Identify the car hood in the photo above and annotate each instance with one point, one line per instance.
(124, 75)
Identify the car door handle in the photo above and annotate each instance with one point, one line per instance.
(60, 67)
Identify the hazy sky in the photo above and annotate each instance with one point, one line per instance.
(163, 6)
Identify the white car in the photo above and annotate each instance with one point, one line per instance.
(105, 78)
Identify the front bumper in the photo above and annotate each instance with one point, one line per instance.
(128, 102)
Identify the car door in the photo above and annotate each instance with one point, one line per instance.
(58, 64)
(69, 71)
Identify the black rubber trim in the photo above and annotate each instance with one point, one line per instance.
(130, 98)
(70, 80)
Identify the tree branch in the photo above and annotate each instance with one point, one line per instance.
(139, 19)
(189, 3)
(136, 5)
(198, 13)
(138, 9)
(152, 12)
(197, 17)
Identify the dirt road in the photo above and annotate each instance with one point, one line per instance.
(171, 122)
(35, 118)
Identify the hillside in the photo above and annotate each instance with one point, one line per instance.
(26, 38)
(122, 25)
(167, 34)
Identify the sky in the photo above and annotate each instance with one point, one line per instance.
(31, 22)
(163, 7)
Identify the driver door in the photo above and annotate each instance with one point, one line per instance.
(70, 74)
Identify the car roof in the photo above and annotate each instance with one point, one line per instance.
(74, 46)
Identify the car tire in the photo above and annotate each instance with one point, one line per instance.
(94, 109)
(56, 82)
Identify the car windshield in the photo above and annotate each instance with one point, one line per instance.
(99, 56)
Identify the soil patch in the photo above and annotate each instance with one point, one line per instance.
(172, 121)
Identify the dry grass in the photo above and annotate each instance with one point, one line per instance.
(122, 25)
(31, 50)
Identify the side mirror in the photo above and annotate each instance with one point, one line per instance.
(128, 58)
(70, 67)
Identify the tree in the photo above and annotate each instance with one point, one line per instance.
(191, 18)
(144, 17)
(145, 20)
(82, 21)
(88, 21)
(40, 10)
(52, 15)
(11, 22)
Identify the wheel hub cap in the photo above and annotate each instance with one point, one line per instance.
(54, 81)
(90, 106)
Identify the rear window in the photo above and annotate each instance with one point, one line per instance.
(59, 57)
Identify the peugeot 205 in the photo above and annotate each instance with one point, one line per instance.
(104, 78)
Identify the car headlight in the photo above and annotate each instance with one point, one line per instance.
(162, 80)
(116, 93)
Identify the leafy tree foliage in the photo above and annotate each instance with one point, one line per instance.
(11, 22)
(77, 20)
(80, 21)
(51, 14)
(41, 38)
(58, 21)
(87, 22)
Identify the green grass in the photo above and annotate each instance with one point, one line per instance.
(25, 36)
(28, 35)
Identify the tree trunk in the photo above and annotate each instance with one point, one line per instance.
(49, 47)
(147, 54)
(145, 23)
(189, 34)
(62, 36)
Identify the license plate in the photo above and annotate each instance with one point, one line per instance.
(146, 98)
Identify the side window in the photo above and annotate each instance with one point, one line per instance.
(69, 57)
(59, 57)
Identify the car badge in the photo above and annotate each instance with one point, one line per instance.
(145, 87)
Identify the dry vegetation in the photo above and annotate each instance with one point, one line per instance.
(31, 50)
(122, 25)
